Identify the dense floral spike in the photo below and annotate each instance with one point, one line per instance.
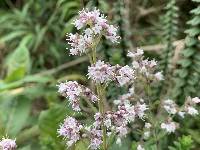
(98, 24)
(70, 130)
(7, 144)
(95, 25)
(73, 91)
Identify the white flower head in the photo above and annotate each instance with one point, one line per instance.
(7, 144)
(192, 111)
(139, 147)
(125, 75)
(146, 134)
(196, 100)
(147, 125)
(169, 126)
(159, 76)
(101, 72)
(170, 106)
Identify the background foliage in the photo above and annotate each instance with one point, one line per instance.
(33, 58)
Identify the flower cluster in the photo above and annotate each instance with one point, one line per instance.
(117, 121)
(70, 130)
(95, 25)
(103, 73)
(73, 91)
(97, 22)
(128, 107)
(144, 66)
(95, 136)
(147, 127)
(172, 108)
(169, 126)
(7, 144)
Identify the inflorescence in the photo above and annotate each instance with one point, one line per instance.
(127, 108)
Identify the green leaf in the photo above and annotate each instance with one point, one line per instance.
(195, 21)
(190, 41)
(185, 62)
(49, 120)
(18, 116)
(82, 145)
(193, 31)
(12, 36)
(188, 52)
(19, 62)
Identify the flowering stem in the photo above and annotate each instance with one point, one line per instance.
(100, 94)
(102, 111)
(154, 122)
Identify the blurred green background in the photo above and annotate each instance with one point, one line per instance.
(33, 58)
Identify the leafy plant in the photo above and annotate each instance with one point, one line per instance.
(183, 143)
(188, 72)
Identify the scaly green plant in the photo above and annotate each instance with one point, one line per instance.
(188, 71)
(170, 30)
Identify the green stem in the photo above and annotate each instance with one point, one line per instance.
(100, 92)
(153, 121)
(102, 111)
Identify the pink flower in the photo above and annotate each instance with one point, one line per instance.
(101, 72)
(95, 138)
(73, 91)
(70, 130)
(8, 144)
(196, 100)
(125, 75)
(169, 126)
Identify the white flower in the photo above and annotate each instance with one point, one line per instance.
(135, 64)
(101, 72)
(152, 63)
(146, 134)
(112, 34)
(159, 76)
(169, 126)
(122, 131)
(192, 111)
(140, 109)
(95, 138)
(119, 141)
(139, 52)
(170, 106)
(181, 114)
(147, 125)
(107, 123)
(139, 147)
(97, 29)
(7, 144)
(72, 91)
(97, 22)
(196, 100)
(125, 75)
